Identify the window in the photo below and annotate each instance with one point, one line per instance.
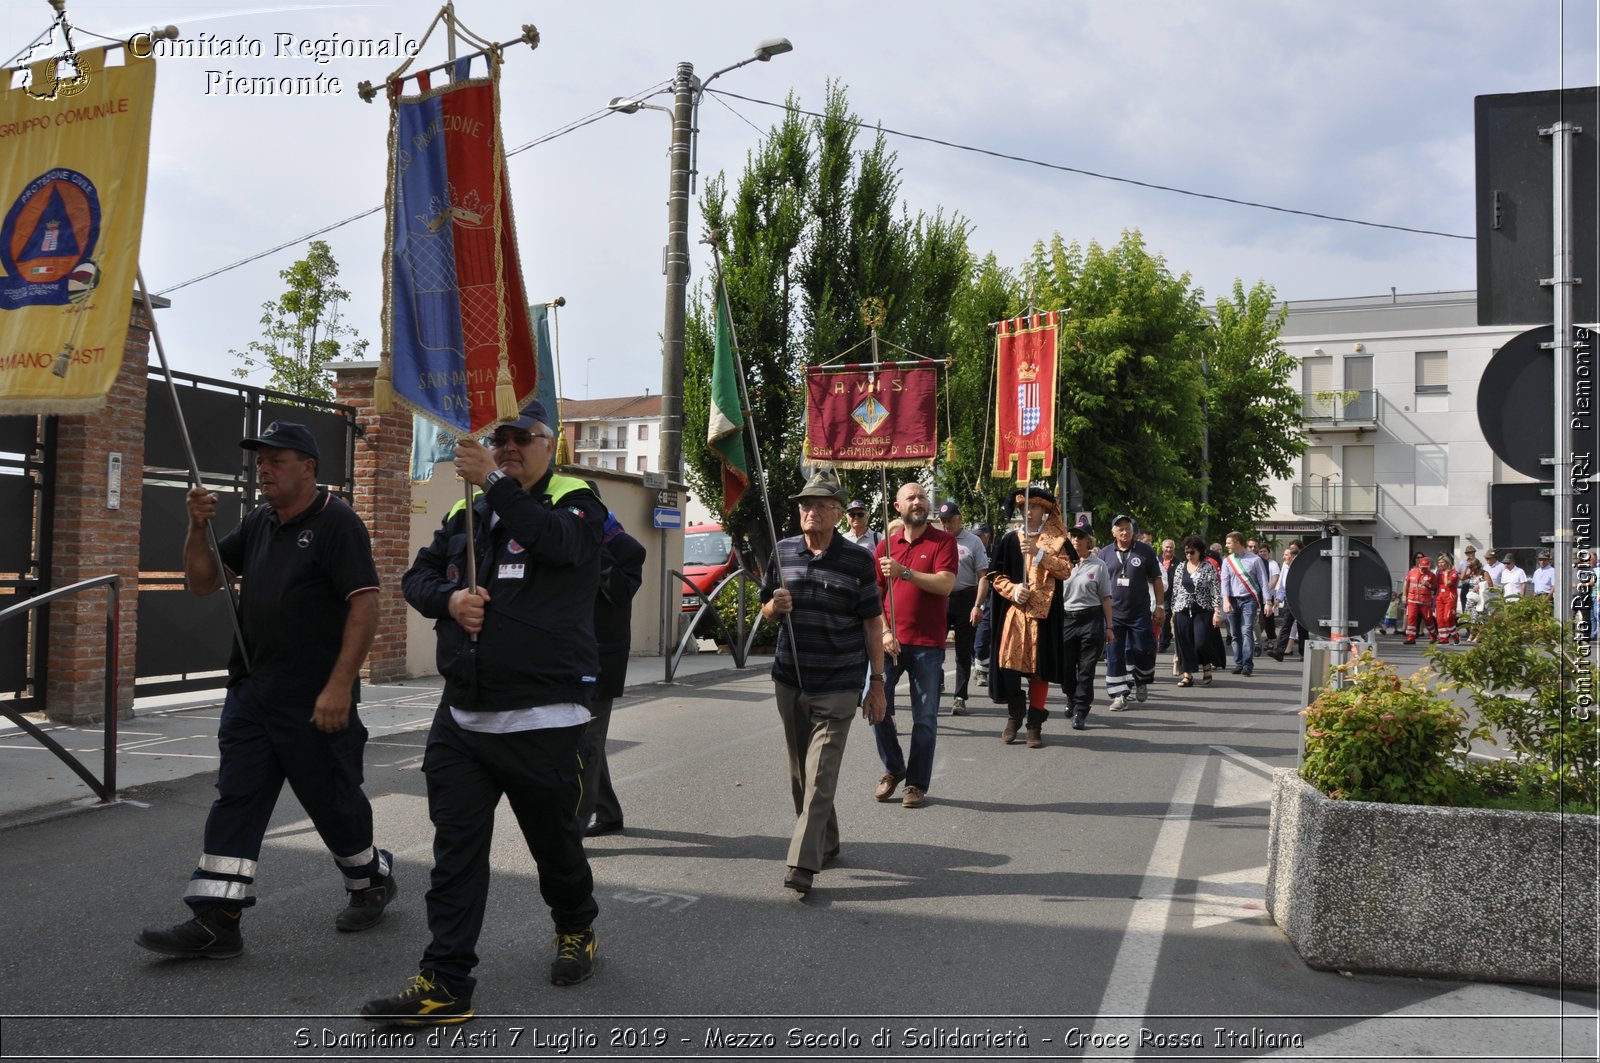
(594, 431)
(643, 464)
(1433, 372)
(594, 462)
(644, 433)
(1433, 475)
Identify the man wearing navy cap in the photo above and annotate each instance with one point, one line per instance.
(308, 608)
(520, 661)
(1135, 576)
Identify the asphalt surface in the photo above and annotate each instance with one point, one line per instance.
(1099, 898)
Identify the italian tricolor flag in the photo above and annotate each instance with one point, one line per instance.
(725, 426)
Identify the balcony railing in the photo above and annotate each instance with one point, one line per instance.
(602, 443)
(1340, 409)
(1334, 499)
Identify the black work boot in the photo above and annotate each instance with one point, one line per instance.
(212, 934)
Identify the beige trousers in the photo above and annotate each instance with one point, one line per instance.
(815, 727)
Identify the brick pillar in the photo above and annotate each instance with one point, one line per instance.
(383, 498)
(92, 540)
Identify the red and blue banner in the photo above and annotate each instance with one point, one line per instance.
(1025, 403)
(455, 316)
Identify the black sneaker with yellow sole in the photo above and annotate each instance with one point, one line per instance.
(574, 960)
(425, 1001)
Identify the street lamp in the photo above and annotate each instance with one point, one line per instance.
(686, 92)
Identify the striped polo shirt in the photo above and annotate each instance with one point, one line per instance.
(833, 592)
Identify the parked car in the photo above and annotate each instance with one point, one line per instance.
(708, 558)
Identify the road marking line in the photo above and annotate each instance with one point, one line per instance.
(1127, 991)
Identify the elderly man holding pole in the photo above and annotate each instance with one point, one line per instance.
(825, 586)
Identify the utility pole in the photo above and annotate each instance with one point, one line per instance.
(677, 270)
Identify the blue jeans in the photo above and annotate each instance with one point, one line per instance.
(925, 666)
(1242, 626)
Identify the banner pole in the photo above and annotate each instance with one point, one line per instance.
(714, 240)
(883, 477)
(194, 467)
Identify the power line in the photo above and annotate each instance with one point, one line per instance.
(1103, 176)
(560, 131)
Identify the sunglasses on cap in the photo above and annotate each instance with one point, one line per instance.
(520, 436)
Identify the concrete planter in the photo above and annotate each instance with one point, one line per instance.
(1467, 893)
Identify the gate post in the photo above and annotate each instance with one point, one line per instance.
(383, 499)
(91, 539)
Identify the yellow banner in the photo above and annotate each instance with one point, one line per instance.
(73, 157)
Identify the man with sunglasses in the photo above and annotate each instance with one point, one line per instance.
(520, 660)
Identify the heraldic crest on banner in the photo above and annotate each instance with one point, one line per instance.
(458, 347)
(1025, 367)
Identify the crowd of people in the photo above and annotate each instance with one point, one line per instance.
(529, 680)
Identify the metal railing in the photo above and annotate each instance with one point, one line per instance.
(1356, 408)
(601, 443)
(740, 640)
(106, 788)
(1331, 499)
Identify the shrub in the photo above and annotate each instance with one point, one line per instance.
(727, 607)
(1383, 738)
(1533, 682)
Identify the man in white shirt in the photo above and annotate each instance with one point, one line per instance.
(1513, 582)
(1544, 577)
(860, 532)
(1492, 567)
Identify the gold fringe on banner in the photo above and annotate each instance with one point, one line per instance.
(505, 392)
(383, 385)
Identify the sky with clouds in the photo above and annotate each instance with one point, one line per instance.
(1361, 109)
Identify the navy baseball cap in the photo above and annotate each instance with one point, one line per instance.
(949, 509)
(285, 435)
(1119, 518)
(855, 504)
(533, 413)
(1080, 531)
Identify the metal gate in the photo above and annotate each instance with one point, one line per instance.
(183, 640)
(27, 478)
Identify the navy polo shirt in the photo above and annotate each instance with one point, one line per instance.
(296, 583)
(1131, 573)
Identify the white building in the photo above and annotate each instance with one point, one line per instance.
(622, 434)
(1394, 452)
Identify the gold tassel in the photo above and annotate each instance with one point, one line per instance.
(563, 451)
(950, 450)
(505, 393)
(383, 387)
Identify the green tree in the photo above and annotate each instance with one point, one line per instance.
(1255, 415)
(303, 330)
(1128, 384)
(814, 228)
(991, 293)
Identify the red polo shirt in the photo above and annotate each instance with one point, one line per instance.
(919, 617)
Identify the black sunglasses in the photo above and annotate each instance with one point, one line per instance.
(520, 436)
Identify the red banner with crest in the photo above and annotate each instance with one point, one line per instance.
(861, 417)
(1025, 395)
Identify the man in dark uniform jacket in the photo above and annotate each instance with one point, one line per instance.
(308, 608)
(621, 573)
(520, 663)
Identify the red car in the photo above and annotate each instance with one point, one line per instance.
(708, 558)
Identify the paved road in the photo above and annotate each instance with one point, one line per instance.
(1067, 902)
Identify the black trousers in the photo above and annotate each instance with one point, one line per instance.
(1083, 641)
(958, 617)
(599, 799)
(467, 772)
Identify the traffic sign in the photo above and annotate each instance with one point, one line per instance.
(1309, 592)
(667, 518)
